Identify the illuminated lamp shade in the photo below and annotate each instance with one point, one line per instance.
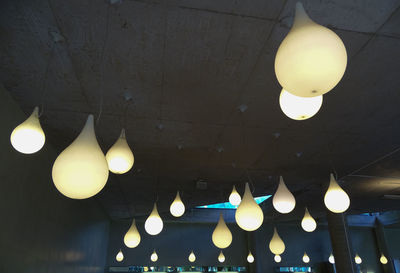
(299, 108)
(250, 258)
(249, 215)
(120, 256)
(277, 258)
(154, 256)
(192, 257)
(311, 60)
(28, 137)
(132, 236)
(154, 223)
(283, 200)
(306, 259)
(276, 245)
(120, 157)
(177, 207)
(221, 236)
(221, 257)
(357, 259)
(81, 170)
(234, 197)
(308, 223)
(383, 259)
(331, 259)
(336, 199)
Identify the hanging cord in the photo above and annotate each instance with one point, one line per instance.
(250, 181)
(46, 73)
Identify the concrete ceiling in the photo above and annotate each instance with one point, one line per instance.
(189, 66)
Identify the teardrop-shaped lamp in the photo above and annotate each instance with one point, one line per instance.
(336, 199)
(331, 259)
(234, 197)
(383, 259)
(308, 223)
(192, 257)
(299, 108)
(177, 207)
(357, 259)
(120, 256)
(132, 236)
(221, 236)
(250, 258)
(277, 258)
(154, 256)
(120, 157)
(154, 223)
(28, 137)
(249, 216)
(311, 60)
(221, 257)
(81, 170)
(283, 200)
(306, 259)
(276, 245)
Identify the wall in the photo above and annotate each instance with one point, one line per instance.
(41, 230)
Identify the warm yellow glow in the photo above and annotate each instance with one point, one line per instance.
(276, 245)
(331, 259)
(221, 236)
(336, 199)
(283, 200)
(28, 137)
(192, 257)
(177, 207)
(119, 156)
(132, 236)
(154, 256)
(234, 198)
(308, 223)
(221, 257)
(277, 258)
(357, 259)
(383, 259)
(250, 257)
(306, 259)
(249, 215)
(154, 223)
(120, 256)
(311, 60)
(81, 170)
(299, 108)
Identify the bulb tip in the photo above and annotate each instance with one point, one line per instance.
(122, 133)
(36, 111)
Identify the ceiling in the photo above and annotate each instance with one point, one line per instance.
(193, 83)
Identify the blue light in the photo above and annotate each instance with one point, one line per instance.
(228, 205)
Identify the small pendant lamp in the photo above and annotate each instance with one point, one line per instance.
(221, 257)
(308, 223)
(192, 257)
(283, 200)
(250, 258)
(331, 259)
(154, 256)
(154, 223)
(336, 199)
(357, 259)
(277, 258)
(177, 207)
(120, 256)
(383, 259)
(249, 216)
(234, 197)
(276, 245)
(306, 259)
(132, 236)
(120, 157)
(221, 236)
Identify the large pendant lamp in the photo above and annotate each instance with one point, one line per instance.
(120, 157)
(154, 223)
(283, 200)
(299, 108)
(234, 197)
(276, 245)
(308, 223)
(132, 236)
(81, 170)
(221, 257)
(28, 137)
(221, 236)
(192, 257)
(177, 207)
(249, 216)
(311, 60)
(336, 199)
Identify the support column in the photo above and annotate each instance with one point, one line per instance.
(382, 247)
(341, 244)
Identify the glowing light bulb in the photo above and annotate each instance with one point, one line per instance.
(192, 257)
(177, 207)
(120, 157)
(306, 259)
(221, 236)
(299, 108)
(311, 60)
(28, 137)
(249, 215)
(81, 170)
(383, 259)
(250, 257)
(154, 223)
(132, 236)
(283, 200)
(308, 223)
(276, 245)
(331, 259)
(120, 256)
(277, 258)
(357, 259)
(221, 257)
(336, 199)
(154, 256)
(234, 198)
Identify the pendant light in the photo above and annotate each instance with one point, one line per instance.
(120, 157)
(276, 245)
(336, 199)
(177, 207)
(28, 137)
(283, 200)
(132, 236)
(221, 257)
(299, 108)
(383, 259)
(308, 223)
(250, 258)
(154, 256)
(331, 259)
(81, 170)
(311, 60)
(120, 256)
(306, 259)
(234, 197)
(277, 258)
(192, 257)
(249, 215)
(154, 223)
(357, 259)
(221, 236)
